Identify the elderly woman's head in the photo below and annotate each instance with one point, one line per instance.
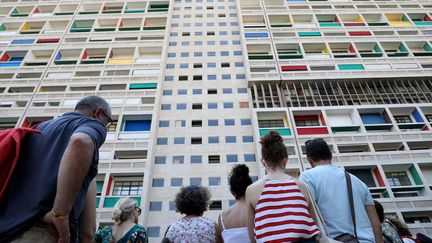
(192, 200)
(126, 209)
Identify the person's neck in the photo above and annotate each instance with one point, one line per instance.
(321, 162)
(277, 173)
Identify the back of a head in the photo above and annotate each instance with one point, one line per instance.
(124, 210)
(273, 149)
(192, 200)
(318, 150)
(91, 103)
(380, 210)
(239, 180)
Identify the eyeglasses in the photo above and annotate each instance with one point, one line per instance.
(139, 210)
(110, 120)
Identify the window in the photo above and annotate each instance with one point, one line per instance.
(197, 65)
(228, 105)
(171, 55)
(197, 77)
(211, 53)
(213, 140)
(156, 206)
(271, 123)
(212, 105)
(212, 91)
(195, 181)
(182, 92)
(242, 90)
(227, 91)
(215, 205)
(166, 107)
(249, 158)
(170, 66)
(162, 141)
(226, 76)
(183, 78)
(232, 158)
(196, 159)
(398, 178)
(127, 188)
(184, 65)
(229, 122)
(167, 92)
(172, 206)
(180, 123)
(178, 159)
(402, 119)
(184, 54)
(230, 139)
(214, 159)
(309, 121)
(169, 78)
(239, 64)
(197, 54)
(245, 122)
(364, 175)
(159, 160)
(196, 106)
(247, 139)
(196, 123)
(196, 91)
(244, 104)
(179, 140)
(211, 77)
(196, 140)
(176, 181)
(214, 181)
(153, 232)
(213, 122)
(163, 123)
(181, 106)
(158, 182)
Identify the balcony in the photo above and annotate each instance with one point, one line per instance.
(130, 24)
(375, 119)
(427, 111)
(408, 118)
(373, 179)
(112, 8)
(32, 27)
(103, 25)
(403, 178)
(398, 20)
(94, 56)
(135, 7)
(343, 121)
(90, 8)
(328, 20)
(67, 57)
(23, 11)
(121, 56)
(149, 55)
(38, 58)
(310, 123)
(8, 29)
(55, 27)
(369, 49)
(395, 49)
(316, 51)
(289, 51)
(12, 58)
(420, 48)
(375, 19)
(304, 21)
(155, 23)
(420, 19)
(343, 50)
(352, 20)
(280, 21)
(82, 25)
(253, 21)
(259, 52)
(161, 6)
(273, 121)
(43, 11)
(65, 9)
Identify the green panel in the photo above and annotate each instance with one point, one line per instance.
(154, 28)
(2, 27)
(97, 201)
(79, 30)
(351, 67)
(143, 86)
(423, 23)
(111, 201)
(159, 10)
(66, 62)
(377, 48)
(345, 55)
(110, 11)
(89, 12)
(99, 186)
(104, 29)
(411, 126)
(281, 131)
(346, 129)
(386, 194)
(371, 54)
(306, 34)
(405, 19)
(378, 24)
(260, 57)
(290, 56)
(418, 181)
(398, 54)
(378, 127)
(330, 24)
(64, 13)
(27, 32)
(281, 25)
(36, 64)
(134, 11)
(93, 61)
(407, 188)
(403, 48)
(129, 28)
(427, 47)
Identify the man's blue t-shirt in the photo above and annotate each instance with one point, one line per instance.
(328, 187)
(32, 189)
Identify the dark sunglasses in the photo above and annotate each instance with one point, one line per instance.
(110, 120)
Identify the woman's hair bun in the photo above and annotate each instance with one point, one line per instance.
(240, 171)
(270, 138)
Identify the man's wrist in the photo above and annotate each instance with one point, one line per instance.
(58, 216)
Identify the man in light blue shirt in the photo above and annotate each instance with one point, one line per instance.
(328, 187)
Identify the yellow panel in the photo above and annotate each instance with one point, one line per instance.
(326, 50)
(285, 119)
(120, 61)
(360, 19)
(399, 23)
(25, 27)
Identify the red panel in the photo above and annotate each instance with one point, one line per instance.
(121, 23)
(351, 48)
(427, 18)
(322, 119)
(354, 24)
(425, 128)
(354, 33)
(336, 19)
(294, 68)
(379, 177)
(5, 58)
(36, 10)
(305, 118)
(26, 123)
(48, 40)
(109, 186)
(312, 130)
(84, 55)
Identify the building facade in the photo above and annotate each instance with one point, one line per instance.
(193, 84)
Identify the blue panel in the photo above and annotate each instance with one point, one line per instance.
(254, 35)
(373, 118)
(26, 41)
(417, 116)
(134, 126)
(16, 59)
(58, 56)
(10, 64)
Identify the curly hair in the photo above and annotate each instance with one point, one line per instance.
(273, 149)
(192, 200)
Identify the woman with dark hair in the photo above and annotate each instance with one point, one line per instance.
(278, 206)
(389, 230)
(232, 221)
(192, 201)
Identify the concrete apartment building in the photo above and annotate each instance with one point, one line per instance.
(193, 84)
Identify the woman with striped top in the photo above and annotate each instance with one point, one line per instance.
(278, 205)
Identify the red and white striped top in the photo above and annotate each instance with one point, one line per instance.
(281, 214)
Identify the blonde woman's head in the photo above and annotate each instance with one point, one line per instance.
(126, 209)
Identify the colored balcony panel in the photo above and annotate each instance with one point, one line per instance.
(375, 19)
(309, 34)
(328, 20)
(112, 8)
(343, 50)
(9, 28)
(143, 86)
(342, 121)
(365, 175)
(304, 21)
(316, 51)
(273, 121)
(111, 201)
(48, 40)
(32, 27)
(94, 56)
(121, 56)
(253, 21)
(130, 24)
(90, 8)
(398, 20)
(38, 57)
(158, 7)
(395, 49)
(359, 33)
(420, 19)
(43, 10)
(256, 35)
(82, 25)
(312, 131)
(352, 20)
(280, 21)
(310, 123)
(12, 58)
(154, 23)
(289, 51)
(103, 25)
(281, 131)
(23, 11)
(420, 48)
(135, 7)
(65, 9)
(408, 118)
(350, 67)
(294, 68)
(375, 119)
(259, 52)
(136, 126)
(22, 42)
(67, 56)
